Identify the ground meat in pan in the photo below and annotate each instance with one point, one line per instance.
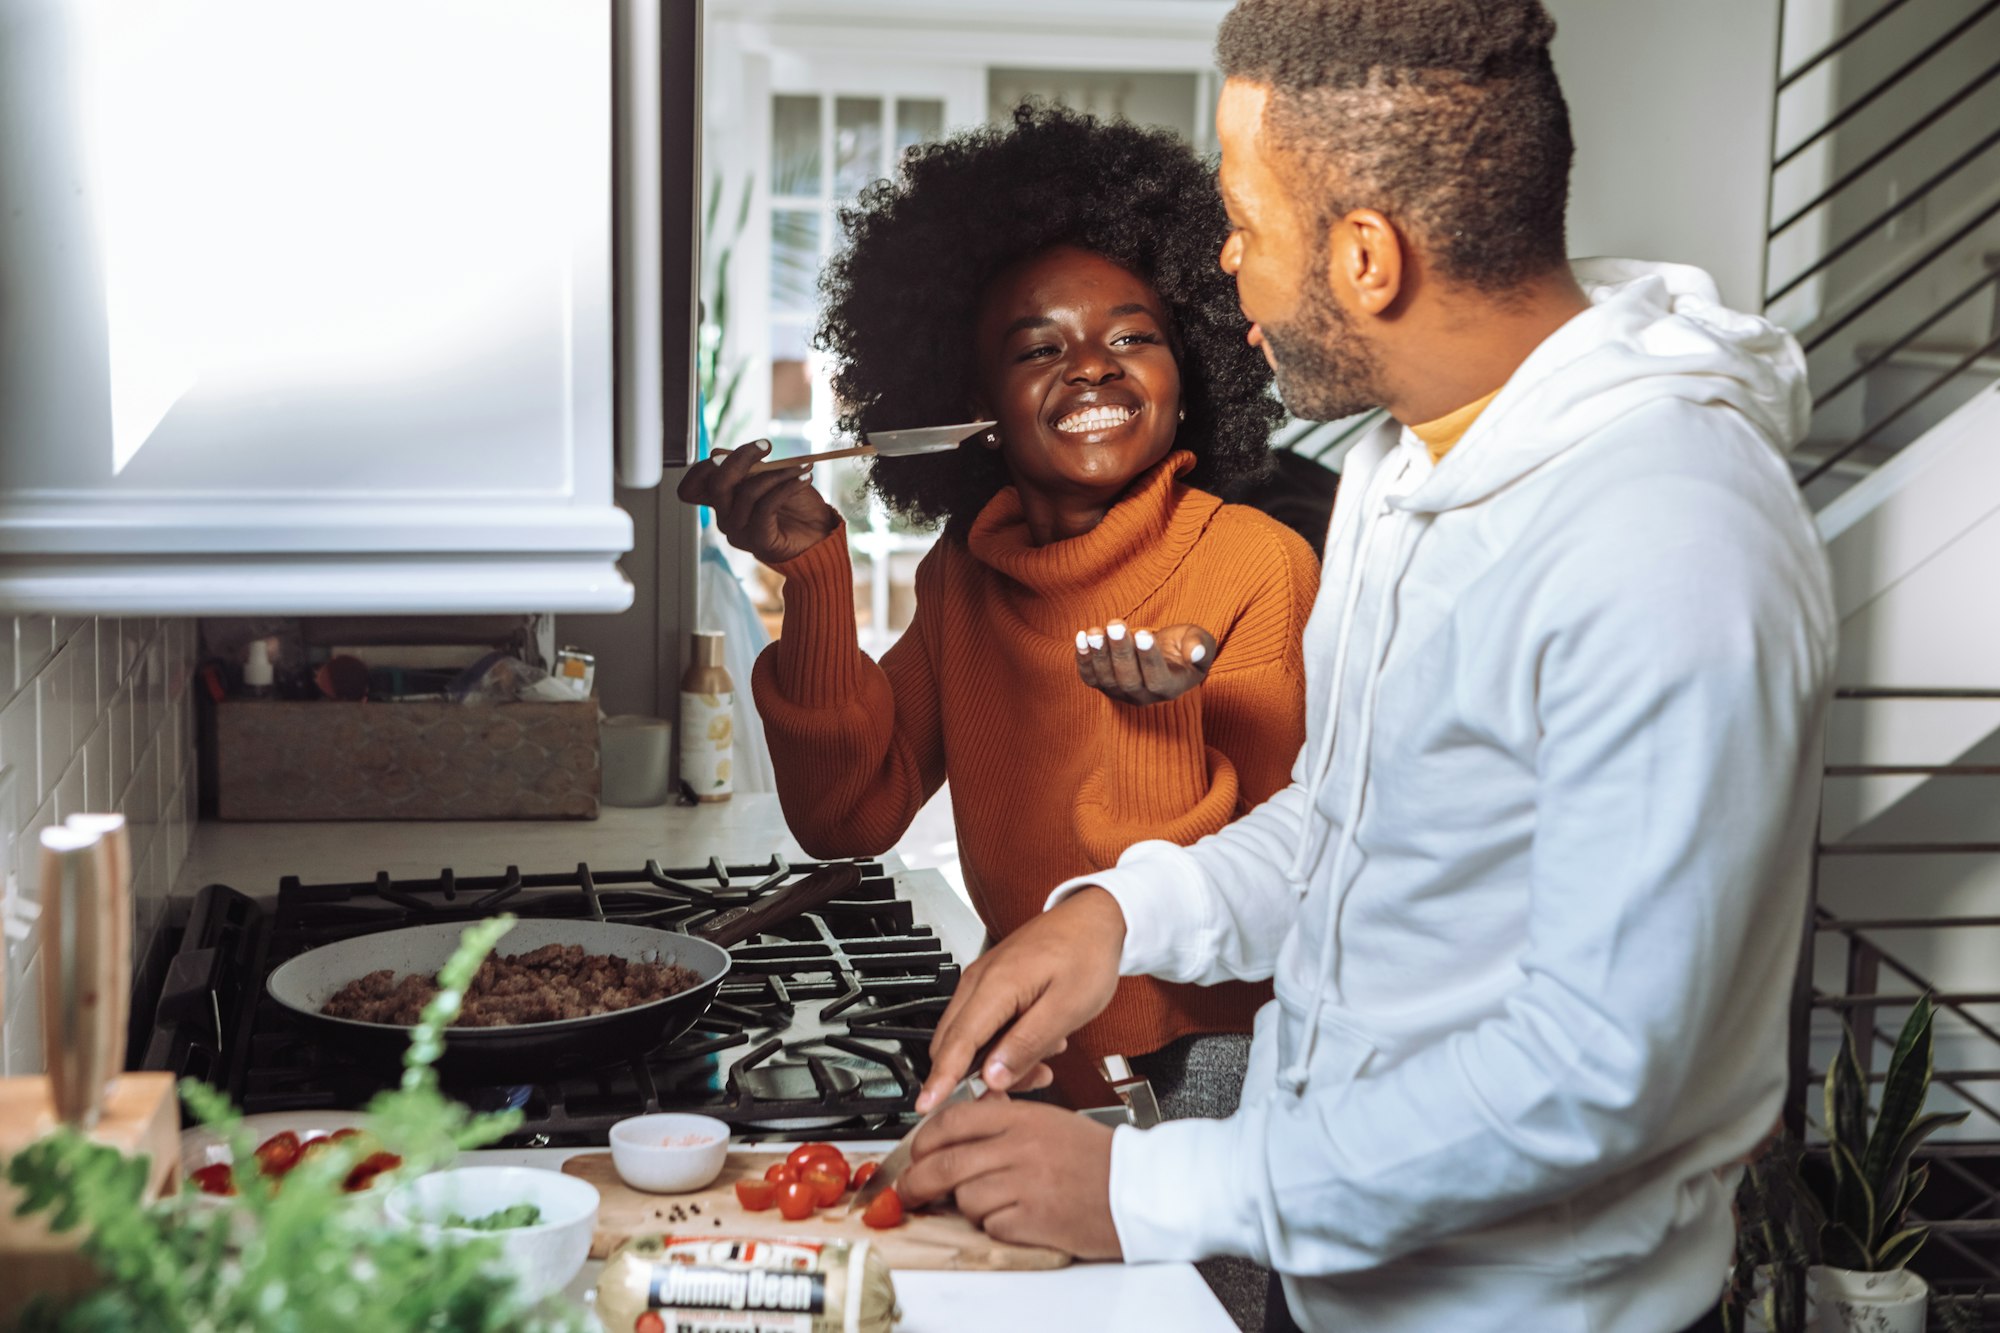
(553, 982)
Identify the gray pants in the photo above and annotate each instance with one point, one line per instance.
(1202, 1077)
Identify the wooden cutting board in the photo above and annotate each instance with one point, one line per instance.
(932, 1239)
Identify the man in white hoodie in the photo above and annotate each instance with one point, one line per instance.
(1534, 898)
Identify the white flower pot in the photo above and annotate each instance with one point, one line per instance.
(1855, 1302)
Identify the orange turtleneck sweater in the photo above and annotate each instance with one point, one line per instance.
(1049, 778)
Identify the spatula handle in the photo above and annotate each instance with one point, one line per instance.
(802, 895)
(774, 464)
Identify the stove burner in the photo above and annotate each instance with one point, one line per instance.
(823, 1022)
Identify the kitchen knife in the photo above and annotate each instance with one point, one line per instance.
(888, 444)
(898, 1160)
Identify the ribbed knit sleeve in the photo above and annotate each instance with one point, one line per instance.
(855, 744)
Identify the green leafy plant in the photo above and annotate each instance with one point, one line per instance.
(1778, 1225)
(1873, 1183)
(720, 383)
(307, 1258)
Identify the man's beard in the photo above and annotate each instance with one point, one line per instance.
(1326, 370)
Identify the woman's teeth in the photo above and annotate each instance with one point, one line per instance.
(1095, 418)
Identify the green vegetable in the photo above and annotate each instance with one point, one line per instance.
(300, 1260)
(504, 1219)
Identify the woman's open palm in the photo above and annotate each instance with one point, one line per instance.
(1144, 666)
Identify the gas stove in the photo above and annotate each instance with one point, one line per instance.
(823, 1025)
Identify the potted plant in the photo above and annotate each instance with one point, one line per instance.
(293, 1258)
(1778, 1223)
(1862, 1283)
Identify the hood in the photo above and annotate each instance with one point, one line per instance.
(1653, 331)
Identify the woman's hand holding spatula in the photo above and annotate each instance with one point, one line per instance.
(774, 514)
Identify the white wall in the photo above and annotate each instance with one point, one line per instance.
(97, 715)
(1671, 108)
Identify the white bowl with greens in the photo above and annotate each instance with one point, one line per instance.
(541, 1220)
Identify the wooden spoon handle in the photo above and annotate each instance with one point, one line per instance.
(852, 451)
(773, 909)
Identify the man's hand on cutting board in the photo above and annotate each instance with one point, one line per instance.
(1046, 980)
(1025, 1172)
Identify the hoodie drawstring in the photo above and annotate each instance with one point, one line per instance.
(1297, 1074)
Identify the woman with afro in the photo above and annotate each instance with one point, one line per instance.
(1102, 651)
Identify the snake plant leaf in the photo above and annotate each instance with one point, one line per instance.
(1904, 1089)
(1893, 1184)
(1841, 1248)
(1854, 1196)
(1897, 1251)
(1912, 1187)
(1847, 1101)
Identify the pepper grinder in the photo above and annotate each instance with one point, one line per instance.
(86, 921)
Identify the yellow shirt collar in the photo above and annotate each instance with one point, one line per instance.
(1440, 435)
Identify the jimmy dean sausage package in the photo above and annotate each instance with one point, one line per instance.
(715, 1284)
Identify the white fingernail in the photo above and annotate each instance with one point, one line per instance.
(1115, 630)
(1096, 640)
(1196, 653)
(1082, 642)
(761, 446)
(1143, 641)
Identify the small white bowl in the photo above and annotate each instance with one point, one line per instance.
(542, 1258)
(646, 1159)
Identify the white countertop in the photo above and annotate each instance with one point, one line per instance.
(1083, 1298)
(1098, 1298)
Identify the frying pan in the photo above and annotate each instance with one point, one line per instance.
(523, 1052)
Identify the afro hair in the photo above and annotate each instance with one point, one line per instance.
(903, 297)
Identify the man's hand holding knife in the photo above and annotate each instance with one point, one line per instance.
(1026, 1172)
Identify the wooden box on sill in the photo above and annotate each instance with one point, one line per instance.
(324, 760)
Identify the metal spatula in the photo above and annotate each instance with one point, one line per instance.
(889, 444)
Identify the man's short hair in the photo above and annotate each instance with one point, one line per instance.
(1444, 115)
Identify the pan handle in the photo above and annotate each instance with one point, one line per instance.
(814, 890)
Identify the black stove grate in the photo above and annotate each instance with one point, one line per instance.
(822, 1025)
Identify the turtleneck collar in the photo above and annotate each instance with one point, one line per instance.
(1105, 573)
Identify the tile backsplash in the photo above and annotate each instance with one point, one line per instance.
(95, 714)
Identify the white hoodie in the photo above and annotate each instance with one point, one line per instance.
(1535, 894)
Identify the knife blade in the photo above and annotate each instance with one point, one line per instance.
(898, 1160)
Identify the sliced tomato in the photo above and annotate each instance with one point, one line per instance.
(862, 1174)
(213, 1179)
(796, 1201)
(781, 1173)
(374, 1164)
(278, 1154)
(756, 1195)
(807, 1152)
(827, 1183)
(649, 1322)
(342, 1135)
(885, 1212)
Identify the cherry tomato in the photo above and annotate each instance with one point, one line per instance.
(649, 1322)
(781, 1173)
(374, 1164)
(756, 1195)
(807, 1152)
(278, 1154)
(796, 1201)
(213, 1179)
(827, 1184)
(885, 1212)
(862, 1174)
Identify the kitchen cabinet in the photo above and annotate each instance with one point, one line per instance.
(310, 307)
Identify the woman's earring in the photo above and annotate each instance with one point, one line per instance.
(1183, 415)
(992, 439)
